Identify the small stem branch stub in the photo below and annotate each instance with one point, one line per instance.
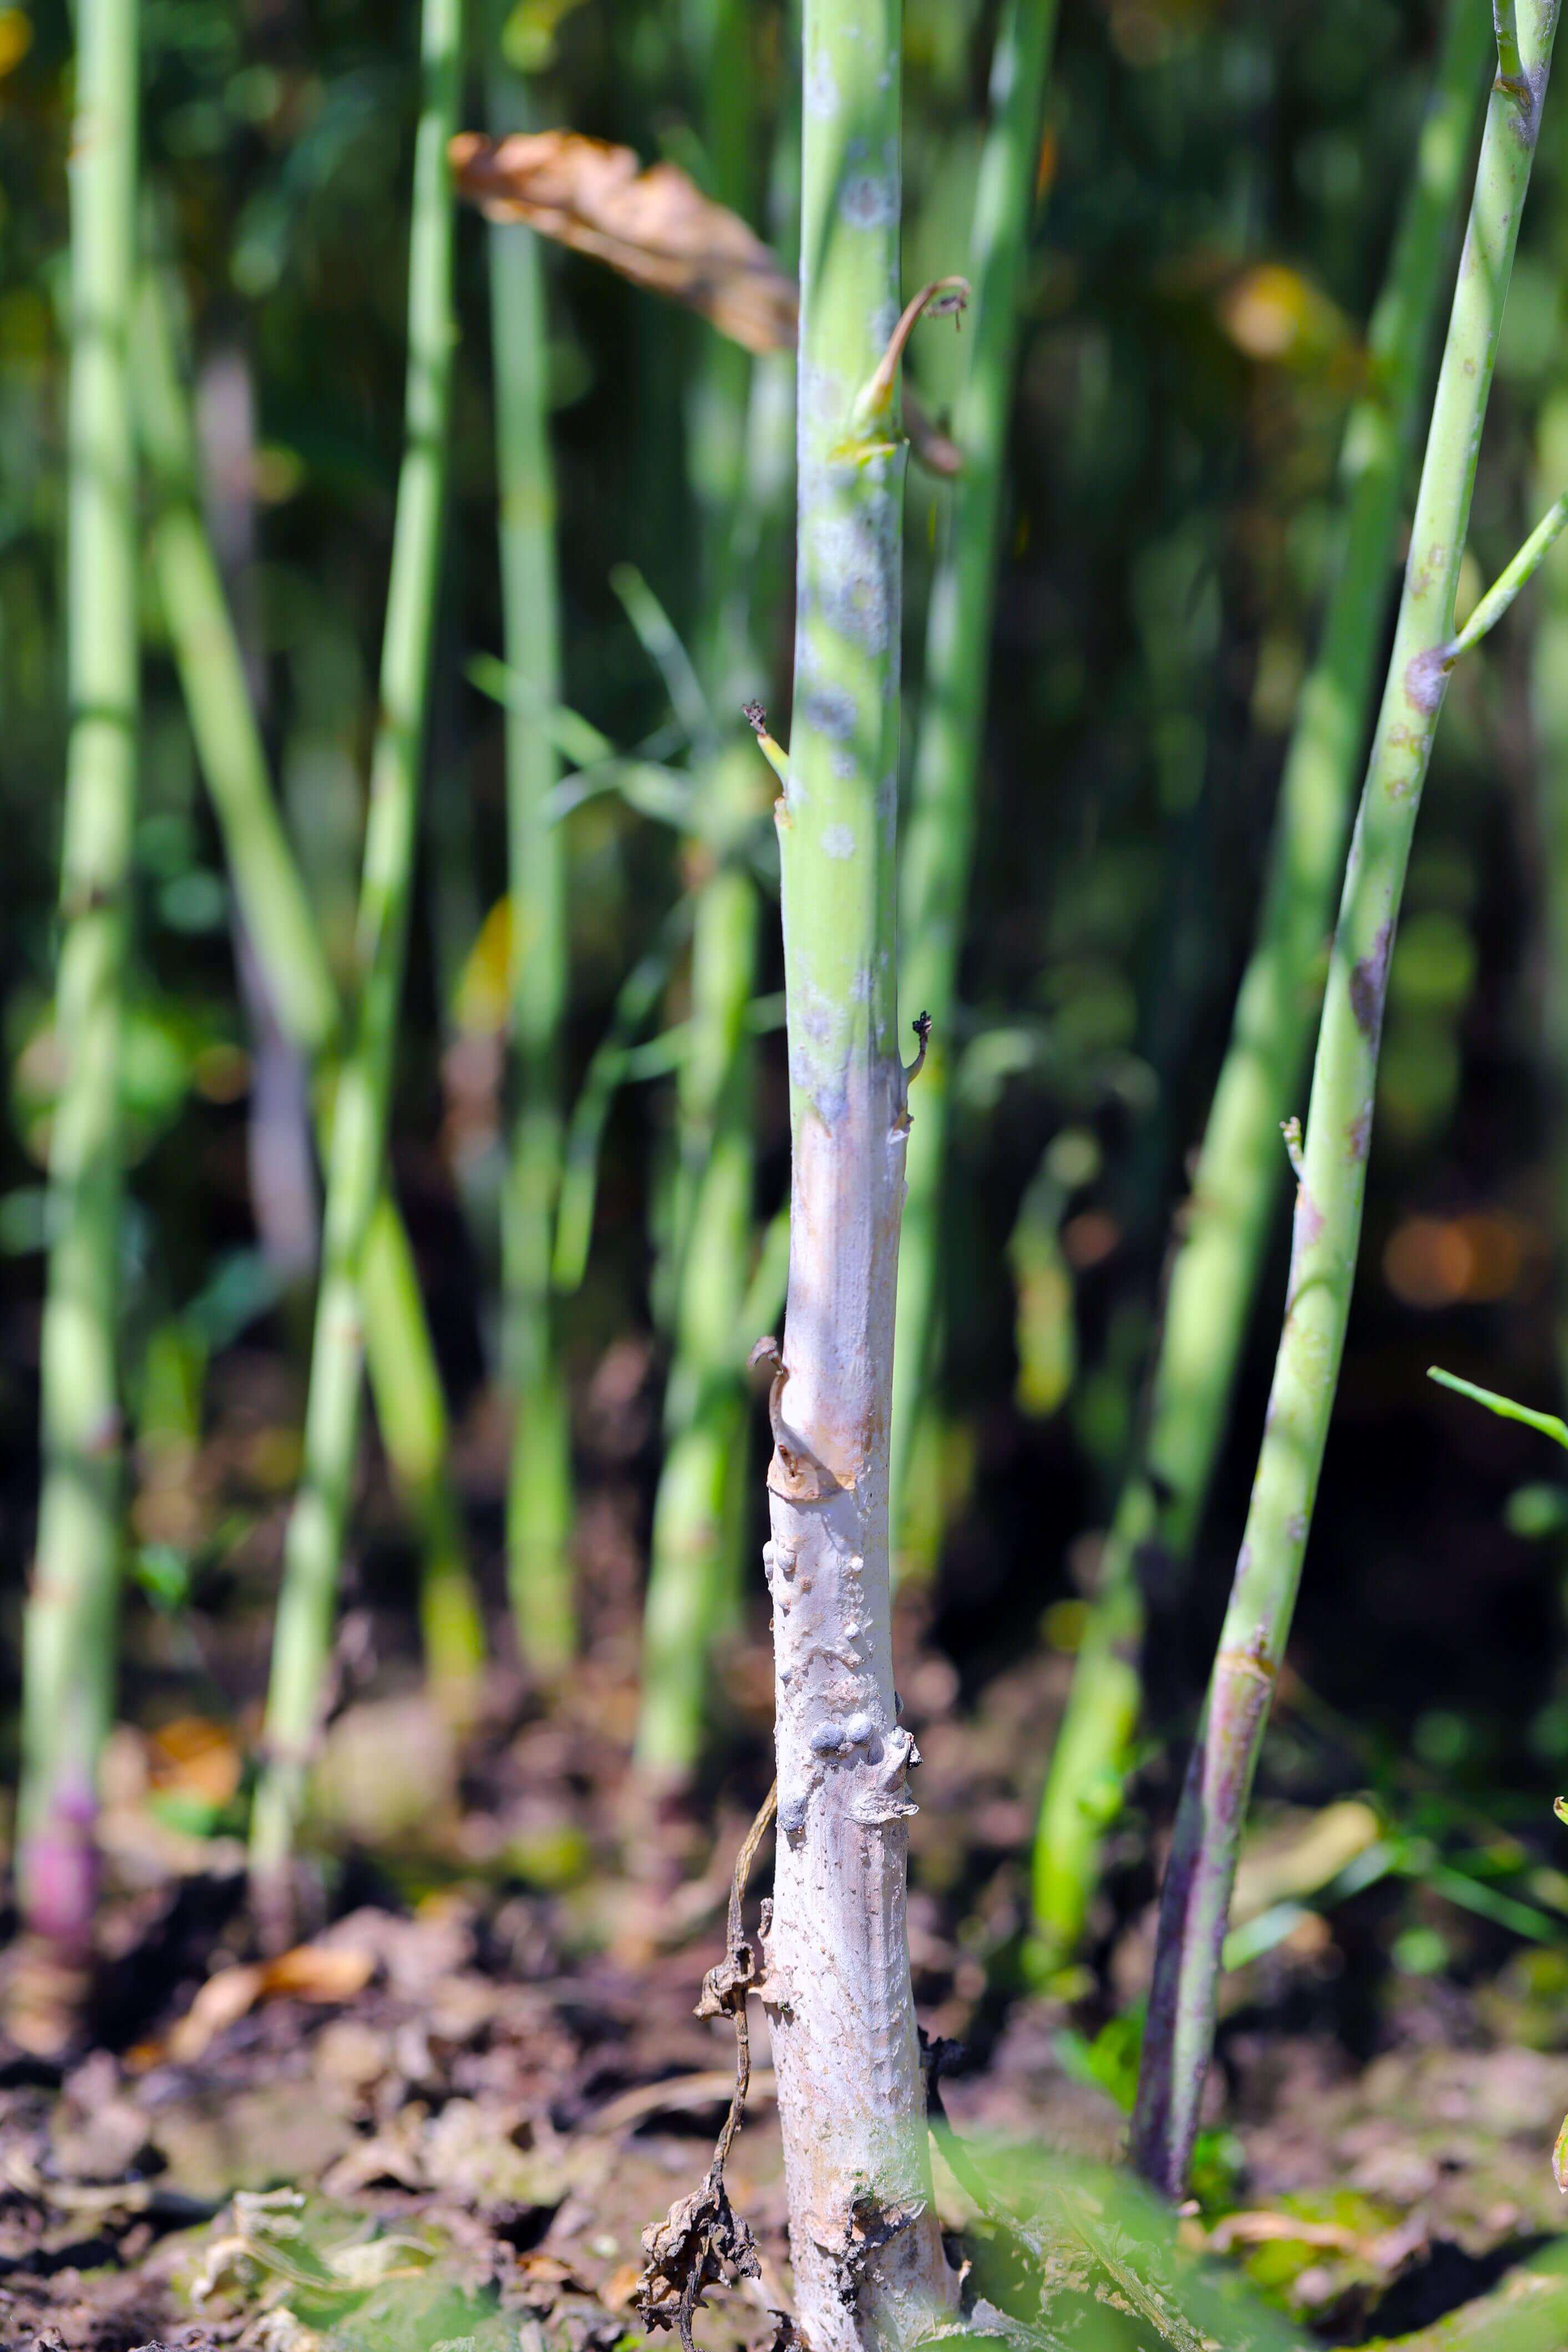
(756, 717)
(1508, 583)
(921, 1025)
(1291, 1129)
(944, 298)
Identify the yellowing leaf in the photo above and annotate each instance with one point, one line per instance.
(15, 38)
(483, 985)
(194, 1758)
(655, 227)
(1272, 313)
(528, 35)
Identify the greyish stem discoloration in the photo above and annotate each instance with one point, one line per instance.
(869, 2272)
(867, 2252)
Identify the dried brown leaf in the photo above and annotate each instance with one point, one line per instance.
(317, 1972)
(314, 1972)
(655, 227)
(222, 2000)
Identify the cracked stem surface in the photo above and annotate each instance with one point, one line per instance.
(867, 2252)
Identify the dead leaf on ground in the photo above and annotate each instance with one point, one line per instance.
(194, 1757)
(655, 227)
(314, 1972)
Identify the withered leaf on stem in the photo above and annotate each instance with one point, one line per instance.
(655, 227)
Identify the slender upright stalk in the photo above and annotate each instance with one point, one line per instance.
(740, 475)
(1332, 1166)
(938, 843)
(356, 1166)
(695, 1523)
(538, 1491)
(284, 937)
(867, 2250)
(1240, 1167)
(70, 1638)
(1548, 716)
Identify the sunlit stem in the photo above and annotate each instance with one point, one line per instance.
(1547, 1424)
(1548, 726)
(1236, 1185)
(1507, 586)
(1196, 1895)
(837, 1978)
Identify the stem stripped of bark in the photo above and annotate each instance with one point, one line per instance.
(867, 2252)
(1196, 1896)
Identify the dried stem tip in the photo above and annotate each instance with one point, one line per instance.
(944, 298)
(778, 758)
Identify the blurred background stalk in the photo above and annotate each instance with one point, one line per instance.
(1332, 1163)
(939, 822)
(1548, 716)
(356, 1164)
(70, 1634)
(540, 1483)
(281, 932)
(1241, 1165)
(740, 434)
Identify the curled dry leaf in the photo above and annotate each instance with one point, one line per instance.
(702, 2243)
(314, 1972)
(655, 227)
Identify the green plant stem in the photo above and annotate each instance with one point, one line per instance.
(739, 432)
(840, 2009)
(70, 1638)
(1196, 1895)
(694, 1518)
(939, 834)
(1513, 577)
(401, 1358)
(539, 1488)
(1240, 1166)
(313, 1547)
(1549, 713)
(1545, 1424)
